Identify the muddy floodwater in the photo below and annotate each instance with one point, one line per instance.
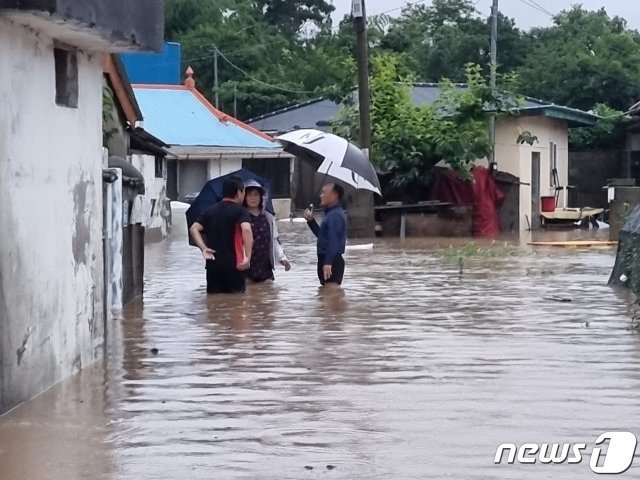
(413, 372)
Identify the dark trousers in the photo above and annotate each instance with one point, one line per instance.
(337, 270)
(222, 278)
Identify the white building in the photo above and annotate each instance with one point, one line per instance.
(544, 165)
(207, 143)
(51, 256)
(128, 139)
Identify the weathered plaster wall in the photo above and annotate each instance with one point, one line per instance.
(156, 192)
(516, 159)
(51, 254)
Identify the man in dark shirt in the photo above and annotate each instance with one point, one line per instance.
(228, 240)
(332, 234)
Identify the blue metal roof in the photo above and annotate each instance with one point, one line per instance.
(177, 116)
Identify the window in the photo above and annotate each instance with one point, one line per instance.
(553, 164)
(159, 167)
(66, 63)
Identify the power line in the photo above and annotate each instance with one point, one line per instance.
(233, 65)
(249, 76)
(406, 5)
(209, 56)
(540, 8)
(534, 2)
(536, 6)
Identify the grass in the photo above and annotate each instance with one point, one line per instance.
(461, 255)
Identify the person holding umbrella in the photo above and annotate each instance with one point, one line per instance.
(331, 234)
(267, 251)
(229, 239)
(343, 161)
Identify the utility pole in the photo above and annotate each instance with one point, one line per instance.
(215, 76)
(360, 206)
(494, 68)
(359, 14)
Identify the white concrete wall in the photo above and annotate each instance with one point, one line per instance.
(51, 254)
(155, 191)
(220, 167)
(507, 150)
(516, 159)
(282, 207)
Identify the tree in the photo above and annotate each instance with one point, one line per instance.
(585, 57)
(441, 39)
(290, 15)
(182, 16)
(608, 133)
(262, 66)
(408, 141)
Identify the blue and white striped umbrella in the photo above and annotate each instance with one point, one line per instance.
(340, 158)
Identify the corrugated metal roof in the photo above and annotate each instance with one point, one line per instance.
(180, 116)
(311, 114)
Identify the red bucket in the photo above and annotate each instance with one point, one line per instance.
(548, 204)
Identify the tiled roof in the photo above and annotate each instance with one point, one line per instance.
(318, 113)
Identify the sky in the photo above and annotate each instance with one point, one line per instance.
(525, 15)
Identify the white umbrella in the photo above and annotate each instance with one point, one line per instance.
(340, 159)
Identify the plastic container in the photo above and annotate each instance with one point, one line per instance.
(548, 204)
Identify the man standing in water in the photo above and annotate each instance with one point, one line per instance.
(332, 234)
(229, 240)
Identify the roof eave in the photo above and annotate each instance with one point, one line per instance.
(126, 84)
(575, 118)
(287, 109)
(203, 152)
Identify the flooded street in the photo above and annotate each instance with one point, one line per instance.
(414, 372)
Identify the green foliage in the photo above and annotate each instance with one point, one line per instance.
(585, 56)
(463, 255)
(526, 137)
(440, 39)
(267, 63)
(290, 15)
(287, 51)
(108, 114)
(460, 132)
(399, 129)
(408, 141)
(609, 132)
(182, 16)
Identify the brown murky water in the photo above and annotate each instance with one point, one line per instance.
(413, 372)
